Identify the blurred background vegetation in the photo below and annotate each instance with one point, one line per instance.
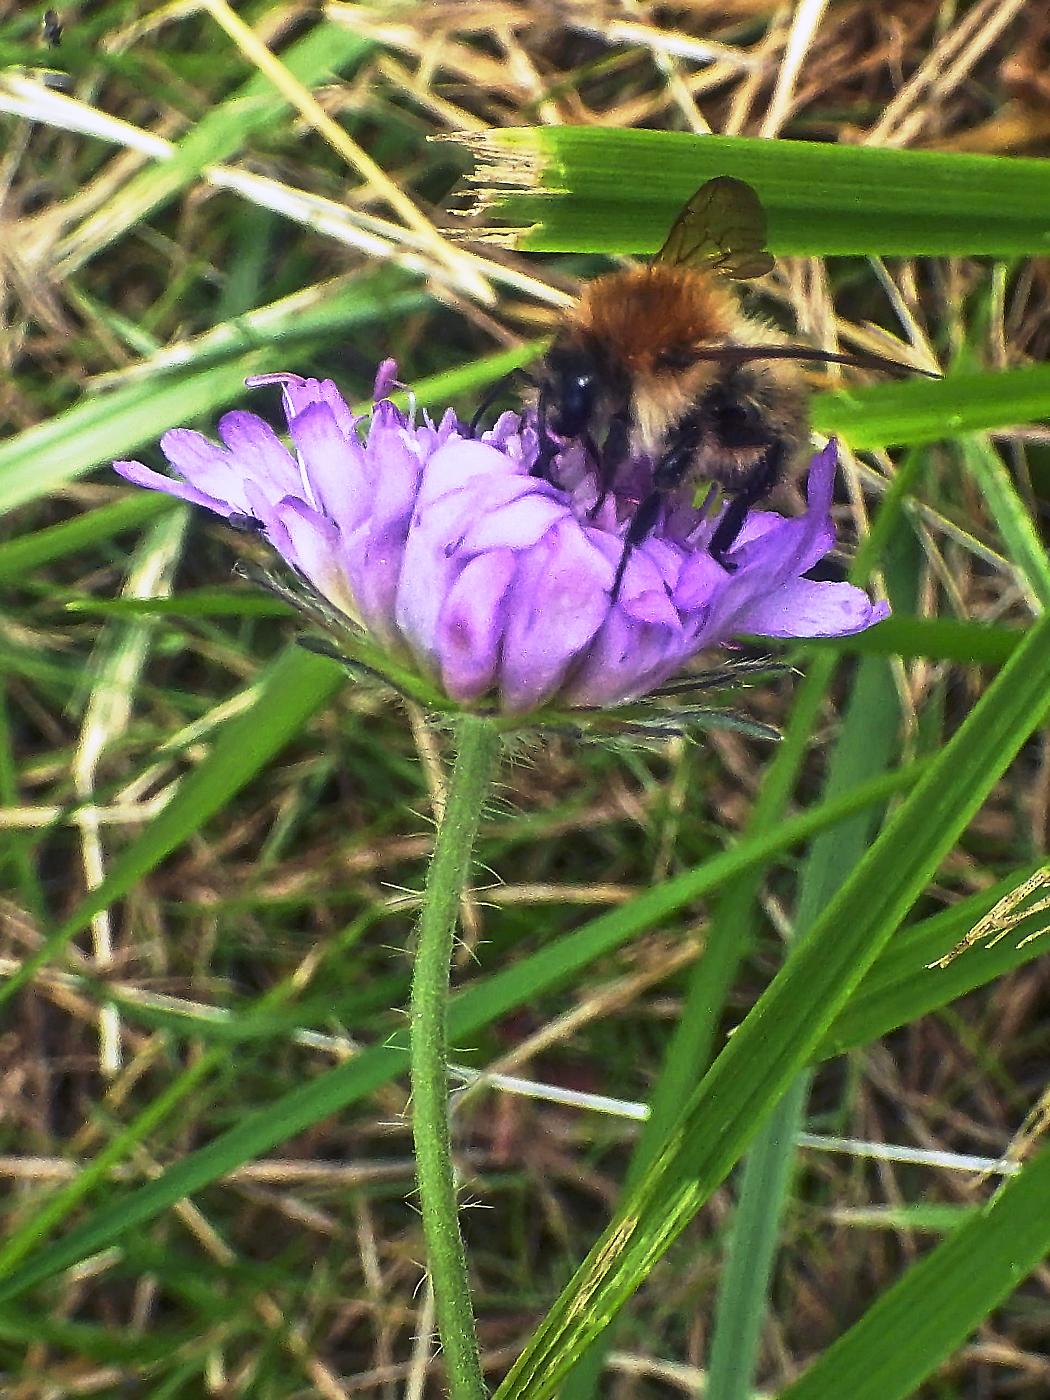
(178, 212)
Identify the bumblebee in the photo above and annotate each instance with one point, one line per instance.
(659, 361)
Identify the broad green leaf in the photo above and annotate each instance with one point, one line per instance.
(580, 189)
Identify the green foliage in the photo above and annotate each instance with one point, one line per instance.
(263, 975)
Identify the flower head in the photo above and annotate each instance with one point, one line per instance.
(496, 583)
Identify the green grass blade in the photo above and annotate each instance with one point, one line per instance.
(740, 1307)
(918, 1323)
(108, 426)
(50, 1212)
(730, 934)
(254, 1134)
(219, 135)
(939, 638)
(1017, 530)
(472, 1009)
(46, 456)
(935, 638)
(321, 311)
(785, 1026)
(863, 750)
(293, 689)
(578, 189)
(198, 602)
(930, 410)
(934, 1218)
(903, 985)
(491, 998)
(19, 556)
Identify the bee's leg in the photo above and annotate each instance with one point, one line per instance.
(642, 522)
(245, 524)
(611, 458)
(549, 446)
(755, 487)
(668, 473)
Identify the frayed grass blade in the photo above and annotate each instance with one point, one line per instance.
(576, 188)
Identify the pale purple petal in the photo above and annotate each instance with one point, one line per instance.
(561, 600)
(299, 393)
(260, 453)
(385, 380)
(806, 608)
(471, 624)
(139, 475)
(209, 468)
(530, 515)
(373, 558)
(309, 544)
(327, 461)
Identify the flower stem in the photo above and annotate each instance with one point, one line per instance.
(475, 761)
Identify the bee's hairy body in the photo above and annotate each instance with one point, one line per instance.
(659, 362)
(628, 369)
(641, 326)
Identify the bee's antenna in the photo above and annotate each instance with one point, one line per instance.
(492, 395)
(742, 353)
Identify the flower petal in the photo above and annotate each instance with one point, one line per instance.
(470, 625)
(139, 475)
(560, 599)
(806, 608)
(260, 454)
(207, 467)
(327, 463)
(499, 583)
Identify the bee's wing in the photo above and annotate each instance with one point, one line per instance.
(721, 229)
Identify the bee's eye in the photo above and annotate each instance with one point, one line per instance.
(676, 357)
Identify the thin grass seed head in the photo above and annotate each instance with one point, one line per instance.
(495, 585)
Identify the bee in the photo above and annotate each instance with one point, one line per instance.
(659, 361)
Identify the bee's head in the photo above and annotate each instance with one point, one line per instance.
(573, 382)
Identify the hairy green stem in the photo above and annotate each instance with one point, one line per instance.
(475, 761)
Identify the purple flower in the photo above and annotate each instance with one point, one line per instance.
(495, 583)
